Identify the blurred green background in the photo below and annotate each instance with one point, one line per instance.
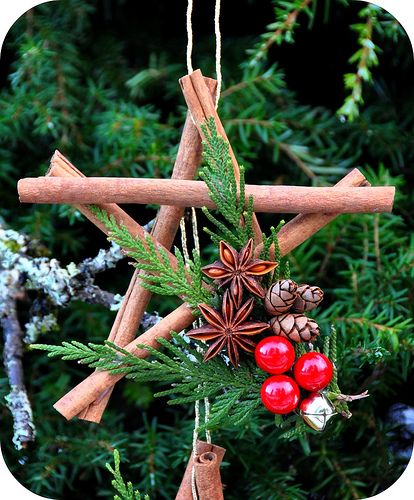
(98, 80)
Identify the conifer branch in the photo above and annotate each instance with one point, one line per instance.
(365, 58)
(333, 389)
(126, 490)
(286, 14)
(224, 190)
(160, 277)
(236, 391)
(265, 254)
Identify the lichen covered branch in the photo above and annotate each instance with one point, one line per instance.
(21, 269)
(17, 399)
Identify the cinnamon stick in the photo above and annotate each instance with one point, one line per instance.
(167, 222)
(291, 236)
(62, 167)
(208, 481)
(96, 384)
(184, 193)
(303, 226)
(129, 315)
(201, 106)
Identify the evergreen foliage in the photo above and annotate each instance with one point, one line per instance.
(366, 57)
(185, 282)
(282, 29)
(126, 490)
(77, 76)
(228, 194)
(236, 390)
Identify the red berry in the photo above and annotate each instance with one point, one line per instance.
(274, 354)
(313, 371)
(280, 394)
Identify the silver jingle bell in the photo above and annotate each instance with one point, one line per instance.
(316, 410)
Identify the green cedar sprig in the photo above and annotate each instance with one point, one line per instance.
(126, 490)
(282, 29)
(236, 393)
(224, 190)
(160, 277)
(365, 59)
(268, 241)
(330, 350)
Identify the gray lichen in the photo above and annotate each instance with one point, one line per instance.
(23, 427)
(60, 283)
(22, 268)
(39, 325)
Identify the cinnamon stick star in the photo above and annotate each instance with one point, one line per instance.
(229, 329)
(239, 269)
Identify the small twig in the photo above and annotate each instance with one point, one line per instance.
(237, 87)
(104, 260)
(250, 121)
(365, 322)
(17, 400)
(92, 294)
(377, 243)
(349, 398)
(287, 25)
(346, 480)
(330, 250)
(295, 158)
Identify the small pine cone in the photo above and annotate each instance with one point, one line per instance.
(295, 327)
(307, 298)
(280, 297)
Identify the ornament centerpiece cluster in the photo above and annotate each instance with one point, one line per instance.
(296, 381)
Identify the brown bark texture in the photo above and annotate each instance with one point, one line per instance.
(165, 228)
(207, 473)
(201, 106)
(184, 193)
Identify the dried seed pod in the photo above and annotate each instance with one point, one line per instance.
(307, 298)
(295, 327)
(280, 297)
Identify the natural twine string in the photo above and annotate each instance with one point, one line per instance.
(217, 33)
(218, 49)
(189, 36)
(197, 248)
(193, 212)
(195, 325)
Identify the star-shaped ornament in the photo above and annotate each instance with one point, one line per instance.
(229, 329)
(88, 400)
(240, 270)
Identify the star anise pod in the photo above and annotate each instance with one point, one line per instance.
(239, 269)
(229, 329)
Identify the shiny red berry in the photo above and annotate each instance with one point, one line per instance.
(274, 354)
(313, 371)
(280, 394)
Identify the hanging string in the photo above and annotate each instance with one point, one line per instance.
(195, 230)
(184, 244)
(197, 248)
(217, 33)
(193, 212)
(184, 241)
(207, 418)
(195, 439)
(218, 49)
(189, 36)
